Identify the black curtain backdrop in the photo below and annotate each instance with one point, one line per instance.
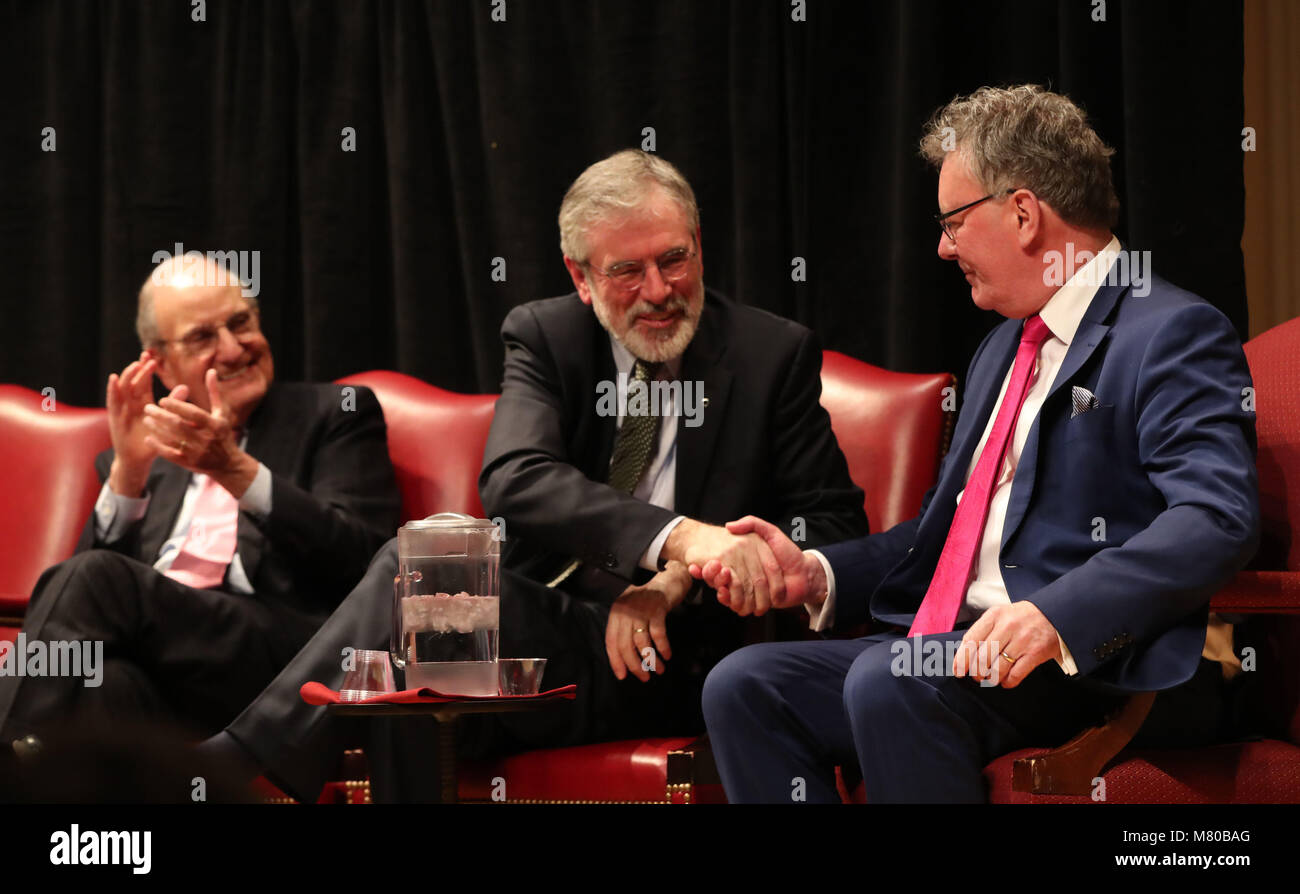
(798, 136)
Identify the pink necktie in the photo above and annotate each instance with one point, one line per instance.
(210, 544)
(938, 612)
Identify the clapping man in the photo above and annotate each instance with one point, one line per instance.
(236, 513)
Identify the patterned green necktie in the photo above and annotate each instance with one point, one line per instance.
(633, 448)
(635, 442)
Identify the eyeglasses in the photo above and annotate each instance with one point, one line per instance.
(204, 339)
(627, 276)
(942, 219)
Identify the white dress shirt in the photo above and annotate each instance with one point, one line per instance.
(1062, 313)
(115, 513)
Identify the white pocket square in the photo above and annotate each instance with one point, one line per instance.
(1082, 400)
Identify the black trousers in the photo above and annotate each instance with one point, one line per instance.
(171, 655)
(299, 745)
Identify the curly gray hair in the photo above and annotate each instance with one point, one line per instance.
(1029, 137)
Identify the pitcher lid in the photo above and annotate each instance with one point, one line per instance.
(444, 521)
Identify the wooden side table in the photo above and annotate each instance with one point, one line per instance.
(446, 714)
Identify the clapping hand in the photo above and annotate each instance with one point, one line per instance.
(126, 396)
(200, 440)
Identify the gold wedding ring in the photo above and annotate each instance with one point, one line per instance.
(1008, 658)
(638, 630)
(183, 445)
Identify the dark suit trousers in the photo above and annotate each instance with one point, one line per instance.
(781, 716)
(171, 654)
(299, 745)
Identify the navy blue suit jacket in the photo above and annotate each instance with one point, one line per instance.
(1166, 463)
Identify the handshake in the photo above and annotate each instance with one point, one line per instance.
(750, 562)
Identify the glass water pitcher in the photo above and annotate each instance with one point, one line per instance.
(446, 604)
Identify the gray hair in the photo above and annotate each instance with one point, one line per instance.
(615, 186)
(1029, 137)
(146, 323)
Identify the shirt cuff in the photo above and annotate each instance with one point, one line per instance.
(1066, 661)
(257, 499)
(115, 513)
(823, 616)
(650, 558)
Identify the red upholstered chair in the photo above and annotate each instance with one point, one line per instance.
(893, 429)
(435, 440)
(47, 488)
(1267, 770)
(635, 771)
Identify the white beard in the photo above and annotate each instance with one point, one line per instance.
(654, 347)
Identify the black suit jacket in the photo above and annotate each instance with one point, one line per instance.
(334, 498)
(764, 447)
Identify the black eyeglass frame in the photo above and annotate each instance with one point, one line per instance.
(942, 219)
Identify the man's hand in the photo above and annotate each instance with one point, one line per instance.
(638, 617)
(757, 582)
(126, 396)
(198, 440)
(1006, 643)
(803, 577)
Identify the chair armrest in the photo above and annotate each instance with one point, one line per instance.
(1260, 592)
(12, 607)
(1070, 769)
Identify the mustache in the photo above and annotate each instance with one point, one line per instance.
(674, 304)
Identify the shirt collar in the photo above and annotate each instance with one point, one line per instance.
(1064, 311)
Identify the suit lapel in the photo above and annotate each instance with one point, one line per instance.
(1086, 340)
(1090, 334)
(696, 445)
(167, 491)
(594, 436)
(982, 394)
(266, 449)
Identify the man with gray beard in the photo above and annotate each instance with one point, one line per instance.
(607, 505)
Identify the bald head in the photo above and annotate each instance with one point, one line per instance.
(193, 316)
(181, 274)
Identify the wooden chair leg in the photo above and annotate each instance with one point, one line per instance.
(690, 768)
(1070, 769)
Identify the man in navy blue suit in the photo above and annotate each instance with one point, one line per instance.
(1100, 487)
